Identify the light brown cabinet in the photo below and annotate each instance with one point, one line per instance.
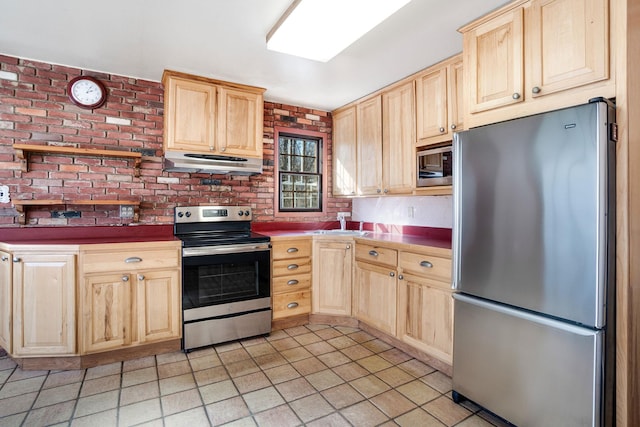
(291, 276)
(439, 102)
(536, 55)
(44, 313)
(212, 117)
(369, 146)
(332, 272)
(129, 295)
(344, 152)
(5, 300)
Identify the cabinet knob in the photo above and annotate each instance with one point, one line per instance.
(223, 149)
(386, 190)
(292, 250)
(5, 258)
(292, 282)
(373, 253)
(426, 264)
(348, 247)
(516, 95)
(16, 259)
(378, 191)
(140, 276)
(292, 305)
(441, 130)
(536, 89)
(392, 274)
(125, 278)
(400, 277)
(133, 259)
(453, 126)
(292, 266)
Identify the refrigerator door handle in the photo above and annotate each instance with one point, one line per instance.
(457, 222)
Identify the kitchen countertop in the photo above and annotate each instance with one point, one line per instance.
(86, 235)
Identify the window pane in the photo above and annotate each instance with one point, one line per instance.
(299, 166)
(311, 148)
(310, 165)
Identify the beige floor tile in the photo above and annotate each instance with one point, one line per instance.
(251, 382)
(96, 403)
(393, 403)
(341, 342)
(295, 389)
(277, 335)
(19, 375)
(136, 364)
(50, 415)
(139, 376)
(332, 420)
(395, 356)
(100, 385)
(15, 388)
(377, 346)
(280, 416)
(333, 359)
(438, 381)
(311, 407)
(17, 404)
(13, 420)
(227, 410)
(295, 354)
(318, 348)
(201, 352)
(309, 366)
(327, 334)
(181, 401)
(297, 330)
(63, 378)
(316, 326)
(370, 386)
(138, 393)
(475, 421)
(323, 380)
(205, 362)
(233, 356)
(174, 369)
(446, 411)
(139, 412)
(243, 422)
(4, 375)
(103, 371)
(418, 392)
(176, 356)
(210, 376)
(342, 396)
(285, 344)
(101, 419)
(308, 338)
(228, 346)
(418, 417)
(416, 368)
(218, 391)
(242, 368)
(374, 363)
(350, 371)
(281, 374)
(346, 329)
(7, 363)
(55, 395)
(267, 361)
(250, 342)
(260, 349)
(193, 417)
(158, 422)
(364, 414)
(263, 399)
(394, 376)
(357, 352)
(361, 336)
(176, 384)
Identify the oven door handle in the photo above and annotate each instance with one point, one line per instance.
(225, 249)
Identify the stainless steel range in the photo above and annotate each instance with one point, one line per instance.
(226, 285)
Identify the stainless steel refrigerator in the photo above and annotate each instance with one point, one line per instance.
(533, 248)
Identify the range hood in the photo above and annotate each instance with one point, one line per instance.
(178, 161)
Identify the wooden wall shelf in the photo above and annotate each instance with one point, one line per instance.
(21, 205)
(22, 151)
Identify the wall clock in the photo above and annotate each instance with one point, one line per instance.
(86, 92)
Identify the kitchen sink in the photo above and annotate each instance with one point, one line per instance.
(339, 232)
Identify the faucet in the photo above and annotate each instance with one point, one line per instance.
(343, 221)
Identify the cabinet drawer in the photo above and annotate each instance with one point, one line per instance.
(291, 283)
(101, 261)
(377, 254)
(291, 304)
(286, 267)
(291, 249)
(429, 266)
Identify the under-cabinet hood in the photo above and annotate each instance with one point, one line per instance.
(177, 161)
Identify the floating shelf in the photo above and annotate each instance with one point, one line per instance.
(23, 149)
(20, 205)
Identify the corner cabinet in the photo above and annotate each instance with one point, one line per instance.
(532, 56)
(212, 117)
(332, 271)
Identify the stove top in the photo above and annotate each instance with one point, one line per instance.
(217, 239)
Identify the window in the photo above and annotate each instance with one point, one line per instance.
(299, 173)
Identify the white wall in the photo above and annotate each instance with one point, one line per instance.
(426, 211)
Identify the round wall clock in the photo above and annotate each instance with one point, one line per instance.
(86, 92)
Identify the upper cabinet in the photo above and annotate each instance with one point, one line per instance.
(212, 117)
(344, 152)
(536, 55)
(439, 102)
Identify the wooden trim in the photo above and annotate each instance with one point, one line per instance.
(20, 205)
(289, 322)
(491, 15)
(177, 74)
(328, 319)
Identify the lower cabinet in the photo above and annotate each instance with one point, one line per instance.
(44, 314)
(332, 271)
(5, 301)
(375, 296)
(291, 277)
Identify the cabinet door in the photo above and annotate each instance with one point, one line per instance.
(369, 147)
(398, 139)
(239, 123)
(456, 96)
(344, 152)
(6, 280)
(431, 107)
(190, 116)
(106, 311)
(425, 316)
(375, 297)
(332, 277)
(494, 54)
(159, 305)
(569, 42)
(44, 289)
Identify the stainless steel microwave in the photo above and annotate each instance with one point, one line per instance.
(434, 166)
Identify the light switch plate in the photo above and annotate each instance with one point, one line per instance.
(126, 211)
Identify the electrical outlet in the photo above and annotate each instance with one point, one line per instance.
(126, 211)
(4, 194)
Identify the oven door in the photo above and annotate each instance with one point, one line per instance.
(225, 274)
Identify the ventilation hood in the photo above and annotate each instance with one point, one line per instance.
(178, 161)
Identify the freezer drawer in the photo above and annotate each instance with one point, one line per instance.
(530, 370)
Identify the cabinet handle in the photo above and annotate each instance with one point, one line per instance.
(5, 258)
(292, 305)
(441, 130)
(140, 276)
(292, 282)
(292, 250)
(125, 278)
(392, 274)
(426, 264)
(373, 253)
(292, 266)
(400, 277)
(133, 259)
(516, 95)
(536, 89)
(16, 259)
(453, 126)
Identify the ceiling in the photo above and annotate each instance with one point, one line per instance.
(226, 40)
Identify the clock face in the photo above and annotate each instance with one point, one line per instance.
(86, 92)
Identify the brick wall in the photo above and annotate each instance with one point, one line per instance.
(34, 108)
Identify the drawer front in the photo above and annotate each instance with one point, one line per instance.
(429, 266)
(291, 304)
(291, 283)
(291, 266)
(377, 254)
(129, 260)
(289, 249)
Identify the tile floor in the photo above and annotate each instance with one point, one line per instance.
(312, 375)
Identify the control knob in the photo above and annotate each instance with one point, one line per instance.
(180, 214)
(240, 213)
(247, 213)
(188, 214)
